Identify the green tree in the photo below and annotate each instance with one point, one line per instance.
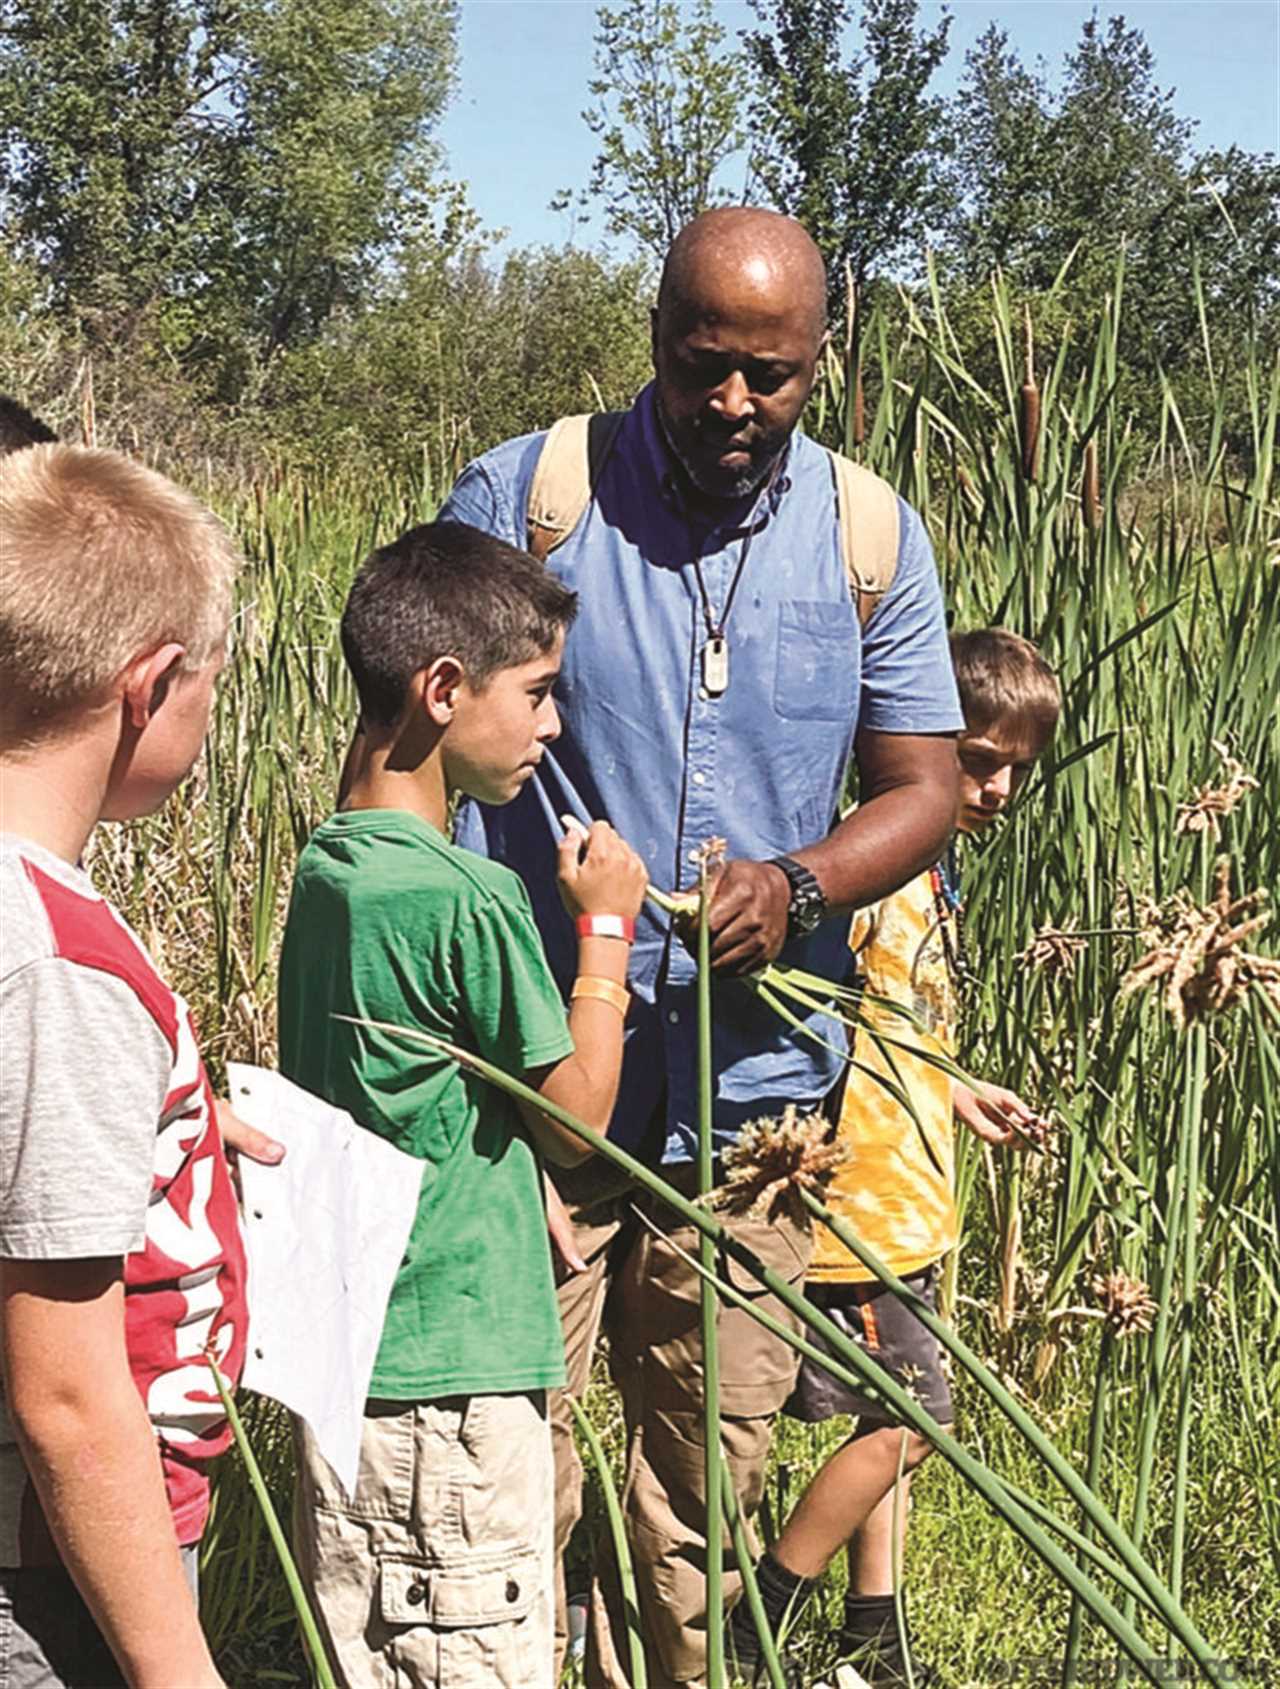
(1043, 176)
(850, 147)
(226, 170)
(670, 114)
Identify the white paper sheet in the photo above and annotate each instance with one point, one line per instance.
(324, 1232)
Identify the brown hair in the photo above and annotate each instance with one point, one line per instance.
(101, 560)
(1003, 678)
(446, 589)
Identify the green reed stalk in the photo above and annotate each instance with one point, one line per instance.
(1190, 1239)
(899, 1522)
(306, 1618)
(1162, 1601)
(1093, 1467)
(987, 1484)
(621, 1547)
(1001, 1497)
(750, 1587)
(710, 1306)
(1158, 1346)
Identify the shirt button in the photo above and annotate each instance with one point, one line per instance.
(703, 693)
(416, 1594)
(699, 778)
(695, 854)
(673, 1015)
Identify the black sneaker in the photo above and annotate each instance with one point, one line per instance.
(744, 1660)
(880, 1663)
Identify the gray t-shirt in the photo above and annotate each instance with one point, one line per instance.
(109, 1148)
(77, 1131)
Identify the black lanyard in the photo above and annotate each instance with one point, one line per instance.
(715, 652)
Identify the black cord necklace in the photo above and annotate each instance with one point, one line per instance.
(715, 650)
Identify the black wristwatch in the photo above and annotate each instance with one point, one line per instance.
(808, 905)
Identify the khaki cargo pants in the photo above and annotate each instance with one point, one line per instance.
(437, 1573)
(647, 1301)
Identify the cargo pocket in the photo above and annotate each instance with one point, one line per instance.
(478, 1611)
(757, 1368)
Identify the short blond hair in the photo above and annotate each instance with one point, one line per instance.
(101, 560)
(1002, 677)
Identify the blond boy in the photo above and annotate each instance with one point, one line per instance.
(120, 1255)
(895, 1195)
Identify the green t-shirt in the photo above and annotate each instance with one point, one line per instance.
(390, 922)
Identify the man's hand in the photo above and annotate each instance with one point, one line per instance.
(998, 1116)
(748, 916)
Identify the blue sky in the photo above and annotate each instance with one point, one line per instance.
(515, 132)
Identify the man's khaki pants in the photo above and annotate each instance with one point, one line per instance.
(647, 1301)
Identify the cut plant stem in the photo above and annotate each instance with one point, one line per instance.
(710, 1302)
(306, 1618)
(621, 1547)
(983, 1480)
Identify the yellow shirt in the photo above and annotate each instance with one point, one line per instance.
(888, 1190)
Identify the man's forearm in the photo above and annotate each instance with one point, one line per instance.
(881, 846)
(907, 811)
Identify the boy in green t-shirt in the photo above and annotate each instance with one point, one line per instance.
(439, 1567)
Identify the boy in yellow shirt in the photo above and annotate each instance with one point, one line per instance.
(910, 948)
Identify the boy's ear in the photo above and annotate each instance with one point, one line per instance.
(437, 688)
(145, 683)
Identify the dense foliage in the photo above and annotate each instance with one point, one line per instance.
(227, 230)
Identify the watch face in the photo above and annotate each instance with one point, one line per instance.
(806, 912)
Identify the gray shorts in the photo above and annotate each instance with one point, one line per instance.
(48, 1637)
(891, 1334)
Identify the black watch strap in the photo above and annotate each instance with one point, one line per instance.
(808, 905)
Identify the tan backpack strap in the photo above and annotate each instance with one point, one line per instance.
(870, 532)
(568, 467)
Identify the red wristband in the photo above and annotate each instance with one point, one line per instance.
(606, 926)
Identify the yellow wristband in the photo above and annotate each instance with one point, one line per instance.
(591, 985)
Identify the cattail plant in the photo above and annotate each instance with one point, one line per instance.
(1029, 414)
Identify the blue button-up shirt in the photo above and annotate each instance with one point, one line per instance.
(762, 766)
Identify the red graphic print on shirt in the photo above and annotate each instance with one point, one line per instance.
(185, 1288)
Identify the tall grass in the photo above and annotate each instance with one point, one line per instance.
(1147, 569)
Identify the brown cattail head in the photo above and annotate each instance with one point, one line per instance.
(1090, 502)
(1030, 418)
(1203, 812)
(773, 1158)
(1126, 1303)
(1197, 961)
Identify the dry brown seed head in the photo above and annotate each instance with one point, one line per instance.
(774, 1157)
(1195, 957)
(1054, 949)
(1126, 1303)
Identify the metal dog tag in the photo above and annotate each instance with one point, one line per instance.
(715, 665)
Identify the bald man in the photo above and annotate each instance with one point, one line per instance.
(716, 684)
